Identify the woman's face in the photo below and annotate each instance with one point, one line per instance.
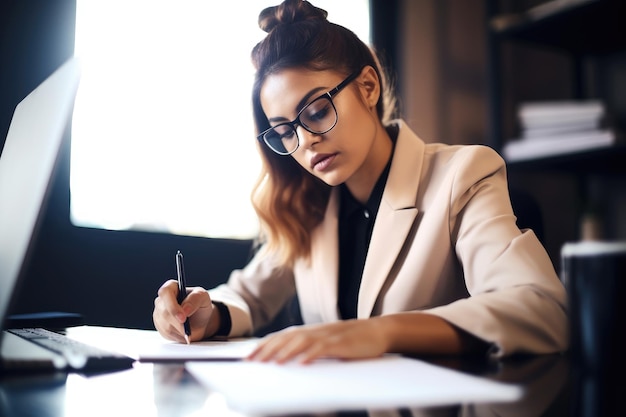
(343, 152)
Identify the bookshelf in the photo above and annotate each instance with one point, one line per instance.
(591, 37)
(586, 30)
(565, 24)
(602, 161)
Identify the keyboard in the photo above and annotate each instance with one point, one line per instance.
(73, 355)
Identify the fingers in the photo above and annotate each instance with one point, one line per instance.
(303, 349)
(167, 313)
(352, 339)
(196, 299)
(300, 344)
(169, 317)
(278, 347)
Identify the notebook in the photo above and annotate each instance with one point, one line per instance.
(27, 164)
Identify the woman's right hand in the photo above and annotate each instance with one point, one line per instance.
(168, 316)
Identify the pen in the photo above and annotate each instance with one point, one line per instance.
(182, 289)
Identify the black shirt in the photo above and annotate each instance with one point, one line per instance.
(356, 222)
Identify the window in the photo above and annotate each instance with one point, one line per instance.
(162, 133)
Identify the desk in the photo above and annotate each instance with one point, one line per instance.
(168, 390)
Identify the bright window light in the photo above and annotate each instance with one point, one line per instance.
(162, 133)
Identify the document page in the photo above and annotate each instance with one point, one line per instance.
(227, 350)
(150, 346)
(389, 382)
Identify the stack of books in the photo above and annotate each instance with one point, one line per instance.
(556, 128)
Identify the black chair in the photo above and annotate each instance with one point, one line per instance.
(528, 212)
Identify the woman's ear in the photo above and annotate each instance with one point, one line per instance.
(369, 85)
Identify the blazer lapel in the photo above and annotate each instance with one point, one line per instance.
(396, 215)
(325, 260)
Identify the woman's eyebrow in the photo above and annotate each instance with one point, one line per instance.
(306, 98)
(300, 105)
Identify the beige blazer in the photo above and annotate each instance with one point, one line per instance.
(444, 242)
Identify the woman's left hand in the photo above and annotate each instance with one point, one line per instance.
(350, 339)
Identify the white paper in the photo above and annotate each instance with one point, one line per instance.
(150, 346)
(207, 350)
(389, 382)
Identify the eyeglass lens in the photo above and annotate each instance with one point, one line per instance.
(319, 117)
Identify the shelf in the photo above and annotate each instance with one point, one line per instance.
(568, 25)
(611, 160)
(577, 27)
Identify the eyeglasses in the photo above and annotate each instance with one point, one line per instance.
(317, 117)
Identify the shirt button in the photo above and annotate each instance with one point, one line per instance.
(366, 213)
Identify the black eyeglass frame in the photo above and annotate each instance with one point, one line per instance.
(296, 122)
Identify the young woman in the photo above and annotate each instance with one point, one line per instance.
(390, 244)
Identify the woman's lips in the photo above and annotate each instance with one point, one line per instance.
(321, 162)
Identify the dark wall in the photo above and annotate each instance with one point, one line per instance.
(36, 36)
(109, 277)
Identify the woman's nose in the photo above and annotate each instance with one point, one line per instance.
(306, 138)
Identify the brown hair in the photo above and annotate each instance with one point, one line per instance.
(289, 201)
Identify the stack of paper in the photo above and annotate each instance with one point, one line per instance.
(327, 385)
(554, 128)
(385, 383)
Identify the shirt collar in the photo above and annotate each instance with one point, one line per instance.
(349, 204)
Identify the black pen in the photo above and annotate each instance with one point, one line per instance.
(182, 289)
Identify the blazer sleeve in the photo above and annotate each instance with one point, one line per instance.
(255, 294)
(517, 302)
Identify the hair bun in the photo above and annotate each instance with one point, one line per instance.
(289, 11)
